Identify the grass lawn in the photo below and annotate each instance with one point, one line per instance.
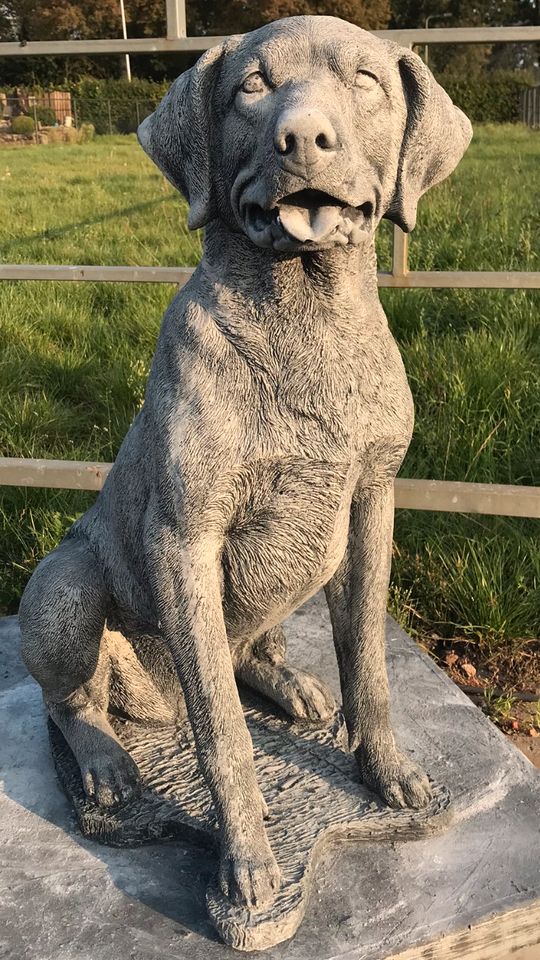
(74, 360)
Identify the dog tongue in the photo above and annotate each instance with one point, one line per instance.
(308, 223)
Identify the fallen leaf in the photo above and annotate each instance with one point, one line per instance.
(468, 669)
(450, 659)
(533, 732)
(515, 724)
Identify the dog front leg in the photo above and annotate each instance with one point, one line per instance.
(187, 589)
(357, 596)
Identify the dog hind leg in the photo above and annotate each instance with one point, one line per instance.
(144, 684)
(262, 666)
(64, 646)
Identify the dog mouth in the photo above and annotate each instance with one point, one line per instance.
(309, 218)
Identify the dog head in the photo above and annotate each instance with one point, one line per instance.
(305, 133)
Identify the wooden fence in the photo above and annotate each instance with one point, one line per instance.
(444, 495)
(530, 107)
(415, 494)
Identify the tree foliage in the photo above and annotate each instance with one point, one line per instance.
(79, 19)
(237, 16)
(472, 58)
(24, 20)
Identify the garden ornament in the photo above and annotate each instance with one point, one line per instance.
(259, 469)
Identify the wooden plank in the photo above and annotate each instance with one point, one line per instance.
(56, 474)
(411, 494)
(45, 271)
(40, 48)
(176, 19)
(503, 280)
(173, 45)
(451, 496)
(461, 35)
(400, 252)
(512, 935)
(481, 279)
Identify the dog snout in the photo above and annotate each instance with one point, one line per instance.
(304, 140)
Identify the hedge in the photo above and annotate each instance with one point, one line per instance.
(22, 126)
(115, 104)
(109, 105)
(492, 97)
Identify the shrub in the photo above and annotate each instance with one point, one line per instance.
(46, 116)
(115, 106)
(492, 97)
(23, 126)
(128, 123)
(87, 132)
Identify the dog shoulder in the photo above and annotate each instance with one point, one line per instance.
(190, 417)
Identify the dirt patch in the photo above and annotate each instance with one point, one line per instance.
(505, 685)
(531, 748)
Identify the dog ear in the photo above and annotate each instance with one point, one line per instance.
(436, 136)
(178, 136)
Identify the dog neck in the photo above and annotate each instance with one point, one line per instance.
(339, 278)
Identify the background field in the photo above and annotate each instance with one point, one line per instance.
(74, 359)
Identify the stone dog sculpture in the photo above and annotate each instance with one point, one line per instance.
(276, 416)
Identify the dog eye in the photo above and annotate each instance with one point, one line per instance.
(255, 83)
(365, 80)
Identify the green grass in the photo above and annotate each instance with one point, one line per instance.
(74, 359)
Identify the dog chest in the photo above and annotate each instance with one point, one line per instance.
(286, 538)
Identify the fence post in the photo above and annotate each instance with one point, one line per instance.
(110, 116)
(176, 19)
(137, 113)
(75, 115)
(400, 249)
(35, 123)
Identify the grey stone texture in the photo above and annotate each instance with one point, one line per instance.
(310, 784)
(62, 896)
(276, 416)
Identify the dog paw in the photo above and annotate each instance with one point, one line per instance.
(305, 697)
(251, 879)
(399, 781)
(111, 780)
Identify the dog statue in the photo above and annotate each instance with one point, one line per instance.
(277, 414)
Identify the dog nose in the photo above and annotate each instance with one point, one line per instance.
(304, 138)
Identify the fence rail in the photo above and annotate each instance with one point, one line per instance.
(429, 279)
(516, 501)
(176, 44)
(411, 494)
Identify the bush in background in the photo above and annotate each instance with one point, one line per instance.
(46, 116)
(87, 132)
(491, 97)
(22, 126)
(116, 106)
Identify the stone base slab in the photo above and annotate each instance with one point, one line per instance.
(471, 891)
